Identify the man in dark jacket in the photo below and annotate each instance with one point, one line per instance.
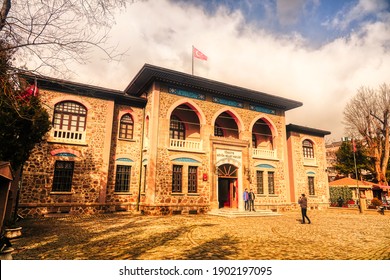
(303, 203)
(251, 201)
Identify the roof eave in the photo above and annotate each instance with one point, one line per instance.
(307, 130)
(60, 85)
(150, 73)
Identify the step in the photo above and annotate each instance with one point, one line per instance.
(231, 213)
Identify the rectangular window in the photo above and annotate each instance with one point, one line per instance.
(192, 179)
(260, 182)
(177, 176)
(311, 185)
(122, 179)
(271, 183)
(63, 175)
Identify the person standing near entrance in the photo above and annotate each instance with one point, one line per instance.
(303, 203)
(251, 201)
(246, 199)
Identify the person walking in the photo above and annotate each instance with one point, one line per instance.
(246, 199)
(251, 200)
(340, 201)
(303, 203)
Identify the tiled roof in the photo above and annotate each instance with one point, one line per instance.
(351, 182)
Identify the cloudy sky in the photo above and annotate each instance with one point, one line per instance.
(318, 52)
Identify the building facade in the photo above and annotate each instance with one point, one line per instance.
(170, 143)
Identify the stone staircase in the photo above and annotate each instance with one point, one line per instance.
(235, 213)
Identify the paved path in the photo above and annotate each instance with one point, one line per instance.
(333, 234)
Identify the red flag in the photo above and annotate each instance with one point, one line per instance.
(353, 145)
(31, 90)
(198, 54)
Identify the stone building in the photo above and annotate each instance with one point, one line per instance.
(307, 164)
(170, 143)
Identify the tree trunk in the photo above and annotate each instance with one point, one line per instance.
(385, 159)
(4, 13)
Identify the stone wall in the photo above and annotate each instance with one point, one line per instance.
(301, 170)
(208, 112)
(125, 152)
(90, 177)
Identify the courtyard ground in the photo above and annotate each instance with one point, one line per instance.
(335, 234)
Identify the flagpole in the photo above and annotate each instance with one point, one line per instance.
(356, 174)
(192, 55)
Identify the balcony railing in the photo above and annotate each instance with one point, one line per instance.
(67, 136)
(264, 153)
(187, 145)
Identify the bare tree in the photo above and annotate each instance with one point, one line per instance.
(367, 115)
(52, 32)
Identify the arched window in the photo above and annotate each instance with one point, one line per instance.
(254, 140)
(126, 127)
(261, 135)
(308, 151)
(177, 129)
(69, 115)
(226, 126)
(218, 131)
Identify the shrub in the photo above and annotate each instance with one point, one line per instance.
(376, 202)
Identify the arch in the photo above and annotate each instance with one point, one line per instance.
(308, 147)
(265, 165)
(126, 126)
(303, 138)
(184, 120)
(233, 114)
(190, 103)
(130, 112)
(65, 152)
(177, 157)
(123, 158)
(70, 115)
(72, 98)
(267, 120)
(227, 170)
(231, 161)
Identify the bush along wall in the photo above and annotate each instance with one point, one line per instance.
(336, 192)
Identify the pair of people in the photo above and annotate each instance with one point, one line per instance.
(249, 200)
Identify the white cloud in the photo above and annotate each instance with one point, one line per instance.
(363, 8)
(324, 79)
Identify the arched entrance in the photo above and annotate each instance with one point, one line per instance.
(227, 186)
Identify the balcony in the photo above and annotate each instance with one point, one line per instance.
(185, 145)
(264, 154)
(66, 136)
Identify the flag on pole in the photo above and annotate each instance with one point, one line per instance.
(198, 54)
(30, 91)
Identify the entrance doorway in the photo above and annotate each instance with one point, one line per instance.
(227, 186)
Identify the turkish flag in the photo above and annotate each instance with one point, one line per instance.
(198, 54)
(353, 145)
(31, 90)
